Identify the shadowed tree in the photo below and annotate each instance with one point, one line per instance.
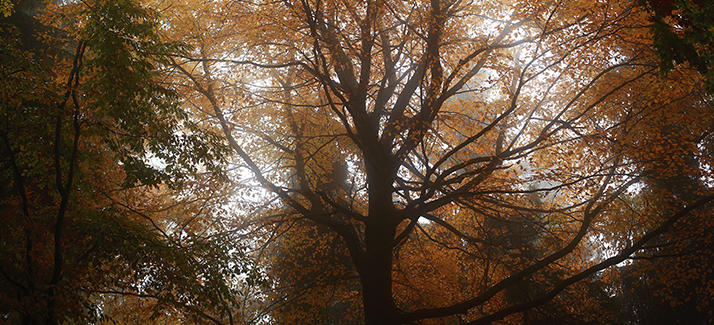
(84, 125)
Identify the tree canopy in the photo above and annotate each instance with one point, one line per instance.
(356, 162)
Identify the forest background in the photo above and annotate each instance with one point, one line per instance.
(356, 162)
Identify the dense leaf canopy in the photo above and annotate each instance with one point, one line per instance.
(356, 162)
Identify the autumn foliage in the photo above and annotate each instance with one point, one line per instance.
(356, 162)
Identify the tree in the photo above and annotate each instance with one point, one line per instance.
(453, 118)
(682, 33)
(313, 280)
(85, 125)
(666, 282)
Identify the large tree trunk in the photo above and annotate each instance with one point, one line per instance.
(380, 230)
(376, 278)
